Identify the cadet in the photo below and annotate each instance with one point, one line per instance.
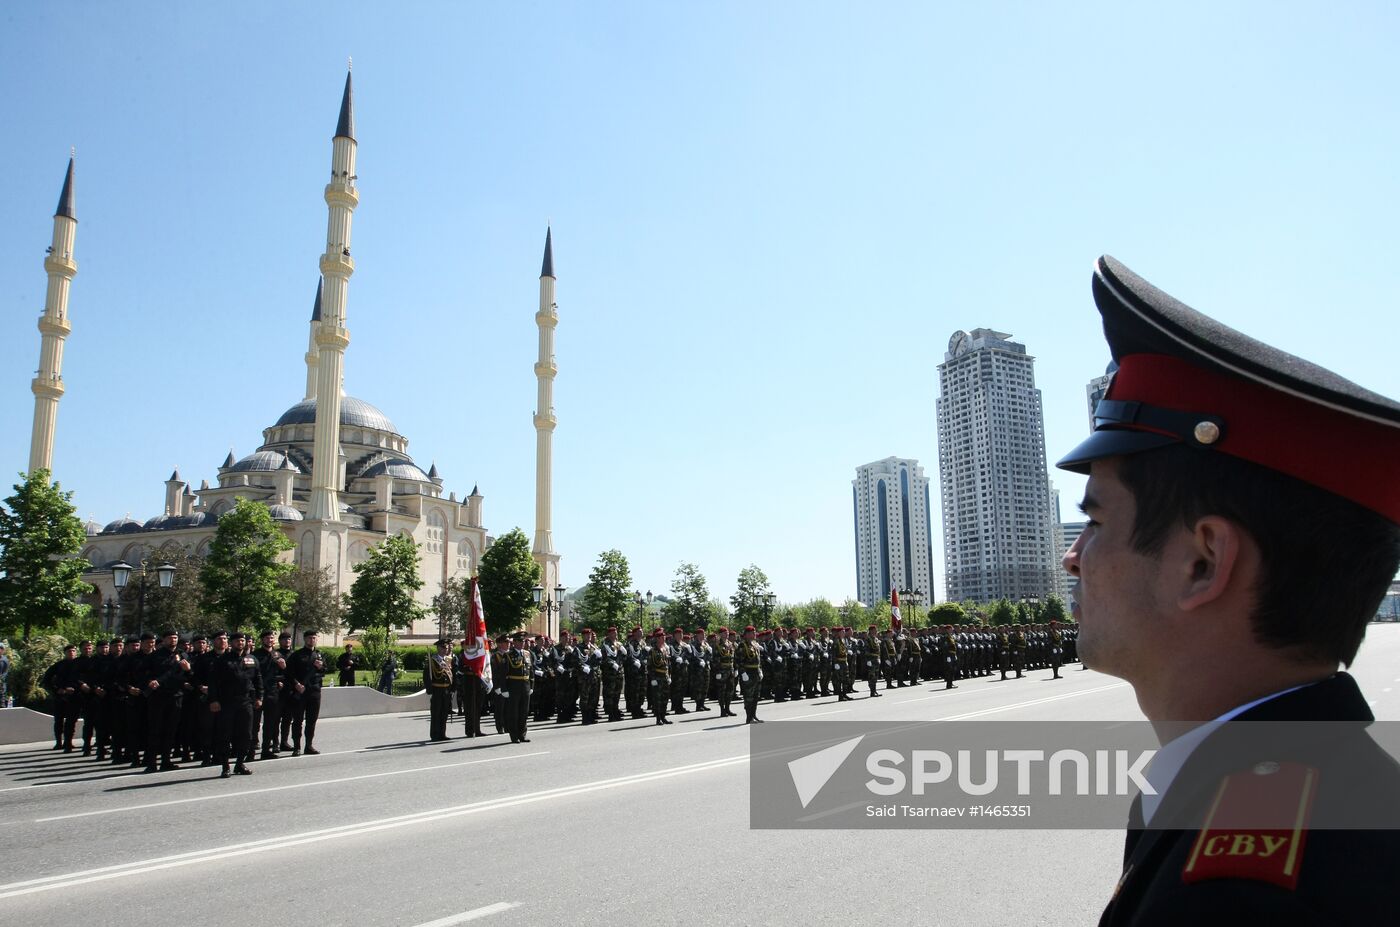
(724, 672)
(519, 667)
(1057, 648)
(871, 657)
(498, 683)
(948, 653)
(659, 676)
(840, 656)
(305, 669)
(679, 681)
(472, 663)
(565, 660)
(1197, 586)
(812, 658)
(235, 690)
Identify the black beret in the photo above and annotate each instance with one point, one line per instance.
(147, 636)
(1184, 378)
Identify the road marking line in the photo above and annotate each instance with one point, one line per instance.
(83, 877)
(1385, 690)
(281, 788)
(473, 914)
(818, 714)
(677, 734)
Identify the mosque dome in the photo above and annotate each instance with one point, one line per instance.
(122, 526)
(262, 461)
(160, 521)
(353, 411)
(284, 513)
(397, 468)
(91, 528)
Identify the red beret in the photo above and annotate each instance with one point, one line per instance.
(748, 629)
(611, 631)
(678, 630)
(658, 633)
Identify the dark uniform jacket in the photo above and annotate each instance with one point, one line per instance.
(1298, 874)
(236, 679)
(306, 666)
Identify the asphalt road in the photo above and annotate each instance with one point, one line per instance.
(614, 823)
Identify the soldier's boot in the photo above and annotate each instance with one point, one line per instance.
(240, 770)
(224, 773)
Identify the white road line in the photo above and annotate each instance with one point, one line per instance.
(1385, 690)
(677, 734)
(817, 714)
(473, 914)
(138, 867)
(282, 788)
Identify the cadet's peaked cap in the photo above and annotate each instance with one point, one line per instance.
(1184, 378)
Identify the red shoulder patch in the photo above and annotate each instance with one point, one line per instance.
(1256, 826)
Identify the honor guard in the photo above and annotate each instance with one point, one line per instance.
(438, 680)
(519, 672)
(749, 661)
(659, 676)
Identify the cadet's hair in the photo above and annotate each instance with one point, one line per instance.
(1326, 562)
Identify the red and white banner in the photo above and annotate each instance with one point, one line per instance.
(896, 622)
(476, 633)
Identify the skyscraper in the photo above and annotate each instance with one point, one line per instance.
(998, 522)
(892, 529)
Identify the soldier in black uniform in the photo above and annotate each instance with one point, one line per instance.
(235, 692)
(345, 665)
(516, 694)
(1198, 587)
(197, 721)
(498, 682)
(287, 704)
(113, 701)
(305, 669)
(438, 680)
(273, 667)
(163, 676)
(61, 680)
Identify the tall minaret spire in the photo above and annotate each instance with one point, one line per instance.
(54, 327)
(313, 353)
(547, 318)
(332, 338)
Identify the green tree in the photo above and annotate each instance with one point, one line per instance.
(40, 571)
(29, 661)
(853, 615)
(315, 606)
(242, 575)
(1055, 610)
(821, 614)
(946, 613)
(385, 581)
(607, 599)
(1001, 612)
(879, 615)
(451, 605)
(507, 578)
(748, 597)
(690, 606)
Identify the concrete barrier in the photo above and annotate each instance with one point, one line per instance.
(26, 726)
(348, 701)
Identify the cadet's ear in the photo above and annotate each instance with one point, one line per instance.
(1210, 562)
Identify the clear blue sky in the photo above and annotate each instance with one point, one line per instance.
(768, 219)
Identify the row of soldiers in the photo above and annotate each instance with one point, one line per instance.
(150, 700)
(589, 679)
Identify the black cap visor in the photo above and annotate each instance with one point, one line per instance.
(1112, 442)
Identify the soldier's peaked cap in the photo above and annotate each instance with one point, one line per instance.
(1184, 378)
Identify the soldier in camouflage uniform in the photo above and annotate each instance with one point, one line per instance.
(614, 679)
(839, 656)
(1018, 651)
(542, 671)
(590, 680)
(1056, 641)
(871, 659)
(948, 654)
(634, 667)
(723, 671)
(807, 654)
(889, 658)
(823, 661)
(749, 660)
(680, 671)
(566, 674)
(701, 659)
(659, 676)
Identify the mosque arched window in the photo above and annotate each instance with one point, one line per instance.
(436, 532)
(466, 556)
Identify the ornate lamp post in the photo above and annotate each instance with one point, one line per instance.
(768, 599)
(642, 603)
(549, 606)
(121, 575)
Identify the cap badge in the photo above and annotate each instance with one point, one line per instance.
(1206, 432)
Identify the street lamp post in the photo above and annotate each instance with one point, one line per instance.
(768, 599)
(549, 606)
(121, 575)
(642, 603)
(112, 610)
(916, 597)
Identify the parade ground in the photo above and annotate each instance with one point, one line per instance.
(625, 822)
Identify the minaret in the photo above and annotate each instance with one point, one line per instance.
(331, 336)
(547, 318)
(313, 356)
(53, 325)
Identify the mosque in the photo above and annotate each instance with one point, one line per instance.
(333, 470)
